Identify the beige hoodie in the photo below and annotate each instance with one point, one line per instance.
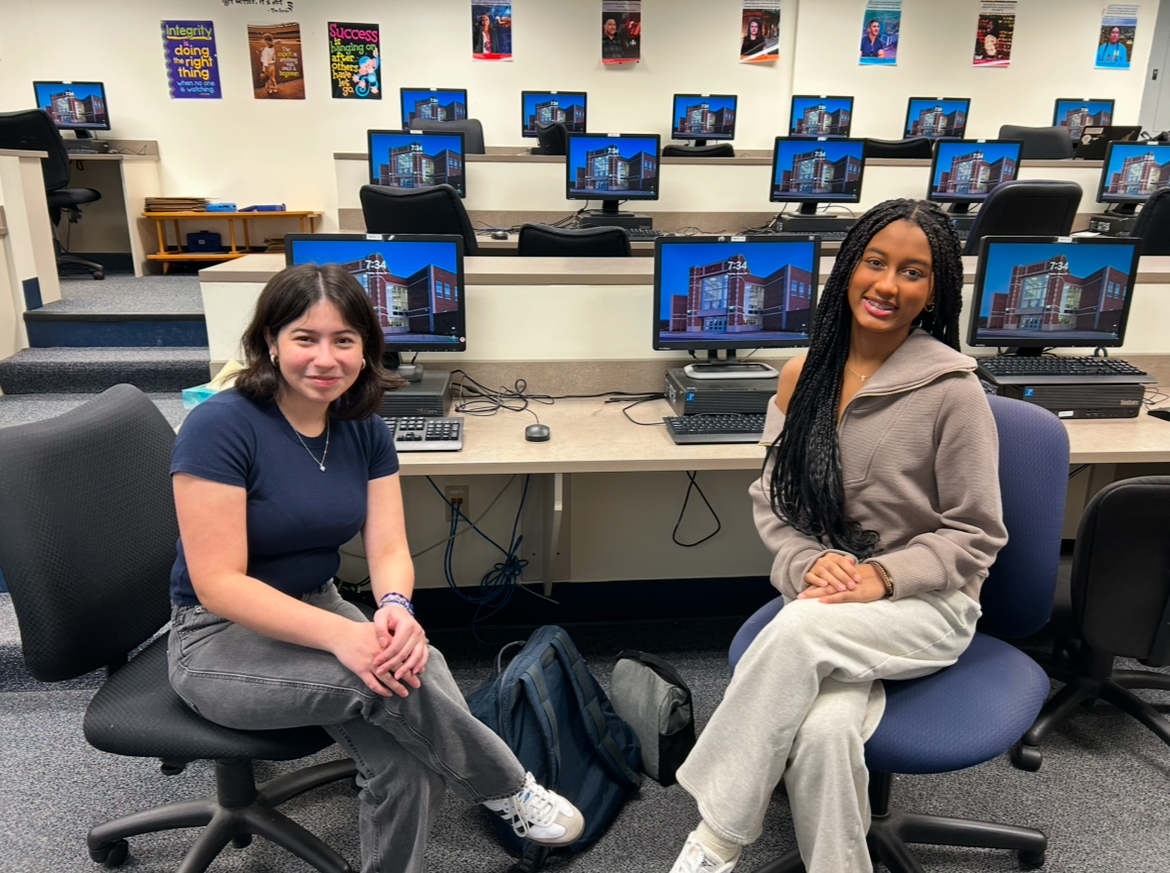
(920, 465)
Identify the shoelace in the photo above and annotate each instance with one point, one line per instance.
(537, 805)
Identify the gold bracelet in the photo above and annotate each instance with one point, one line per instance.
(885, 578)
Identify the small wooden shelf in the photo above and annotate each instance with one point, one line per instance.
(168, 254)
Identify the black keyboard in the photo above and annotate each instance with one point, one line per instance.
(643, 233)
(426, 434)
(80, 148)
(1048, 365)
(727, 428)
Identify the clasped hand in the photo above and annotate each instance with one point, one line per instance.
(835, 578)
(388, 653)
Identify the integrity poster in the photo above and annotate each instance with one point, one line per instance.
(621, 31)
(491, 31)
(192, 64)
(881, 27)
(760, 32)
(278, 71)
(354, 61)
(994, 33)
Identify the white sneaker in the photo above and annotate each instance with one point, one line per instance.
(540, 815)
(697, 858)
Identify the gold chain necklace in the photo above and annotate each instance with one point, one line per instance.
(855, 373)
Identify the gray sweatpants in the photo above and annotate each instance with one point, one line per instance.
(801, 705)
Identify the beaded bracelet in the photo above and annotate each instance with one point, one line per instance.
(889, 583)
(393, 597)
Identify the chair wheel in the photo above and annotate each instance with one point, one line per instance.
(112, 854)
(99, 274)
(242, 841)
(1031, 858)
(1026, 757)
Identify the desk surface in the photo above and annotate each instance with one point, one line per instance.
(589, 436)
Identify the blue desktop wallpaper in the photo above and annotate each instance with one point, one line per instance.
(80, 89)
(1083, 260)
(628, 146)
(714, 103)
(404, 258)
(1095, 107)
(1122, 150)
(992, 152)
(763, 258)
(566, 99)
(832, 104)
(410, 97)
(432, 144)
(834, 150)
(917, 104)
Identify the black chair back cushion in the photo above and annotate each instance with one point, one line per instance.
(33, 130)
(1040, 143)
(711, 150)
(436, 209)
(543, 241)
(1036, 207)
(553, 137)
(912, 147)
(1153, 224)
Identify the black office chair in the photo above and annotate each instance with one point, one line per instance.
(543, 241)
(1153, 223)
(912, 147)
(33, 130)
(471, 129)
(1114, 605)
(553, 138)
(436, 209)
(86, 547)
(1040, 143)
(711, 150)
(1035, 207)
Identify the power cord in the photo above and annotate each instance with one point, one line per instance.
(682, 512)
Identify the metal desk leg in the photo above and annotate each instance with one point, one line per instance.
(548, 501)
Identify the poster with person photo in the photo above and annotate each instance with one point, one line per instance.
(278, 71)
(1115, 45)
(621, 31)
(880, 28)
(994, 30)
(491, 31)
(760, 32)
(354, 61)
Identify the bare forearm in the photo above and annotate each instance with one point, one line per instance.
(391, 571)
(265, 610)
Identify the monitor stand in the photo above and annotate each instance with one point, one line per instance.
(729, 368)
(409, 372)
(807, 221)
(960, 216)
(609, 216)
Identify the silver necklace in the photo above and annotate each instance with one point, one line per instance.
(324, 454)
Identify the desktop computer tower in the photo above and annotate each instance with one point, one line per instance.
(429, 397)
(598, 218)
(1083, 400)
(690, 396)
(1110, 224)
(816, 223)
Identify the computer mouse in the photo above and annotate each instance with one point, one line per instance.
(1160, 413)
(537, 433)
(500, 234)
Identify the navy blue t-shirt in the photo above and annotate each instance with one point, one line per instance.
(297, 516)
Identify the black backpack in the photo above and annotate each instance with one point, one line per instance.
(554, 715)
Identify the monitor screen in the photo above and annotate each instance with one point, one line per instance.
(1077, 114)
(937, 117)
(416, 159)
(965, 170)
(414, 282)
(703, 116)
(609, 166)
(812, 171)
(723, 292)
(1045, 292)
(79, 106)
(567, 107)
(1131, 171)
(820, 116)
(433, 104)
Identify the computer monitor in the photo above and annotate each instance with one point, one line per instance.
(965, 171)
(937, 117)
(545, 107)
(820, 116)
(723, 293)
(1076, 114)
(1130, 173)
(77, 106)
(1036, 293)
(434, 104)
(611, 167)
(416, 159)
(702, 117)
(414, 282)
(809, 172)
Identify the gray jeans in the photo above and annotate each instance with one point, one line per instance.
(408, 750)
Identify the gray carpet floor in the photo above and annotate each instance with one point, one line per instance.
(1101, 795)
(123, 293)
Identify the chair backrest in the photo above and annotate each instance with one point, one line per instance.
(1033, 477)
(711, 150)
(542, 241)
(912, 147)
(471, 129)
(89, 531)
(552, 136)
(1121, 569)
(33, 130)
(1040, 143)
(1035, 207)
(1153, 223)
(436, 209)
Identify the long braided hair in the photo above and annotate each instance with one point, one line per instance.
(806, 488)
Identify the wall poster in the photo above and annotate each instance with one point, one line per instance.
(880, 29)
(192, 64)
(621, 31)
(1115, 44)
(491, 31)
(994, 33)
(353, 60)
(760, 32)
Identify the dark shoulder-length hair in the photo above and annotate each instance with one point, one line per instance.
(806, 488)
(285, 299)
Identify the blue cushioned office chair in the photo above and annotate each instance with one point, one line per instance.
(978, 708)
(86, 547)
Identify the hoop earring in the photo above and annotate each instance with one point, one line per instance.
(363, 364)
(929, 307)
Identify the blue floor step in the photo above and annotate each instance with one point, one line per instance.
(90, 370)
(48, 329)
